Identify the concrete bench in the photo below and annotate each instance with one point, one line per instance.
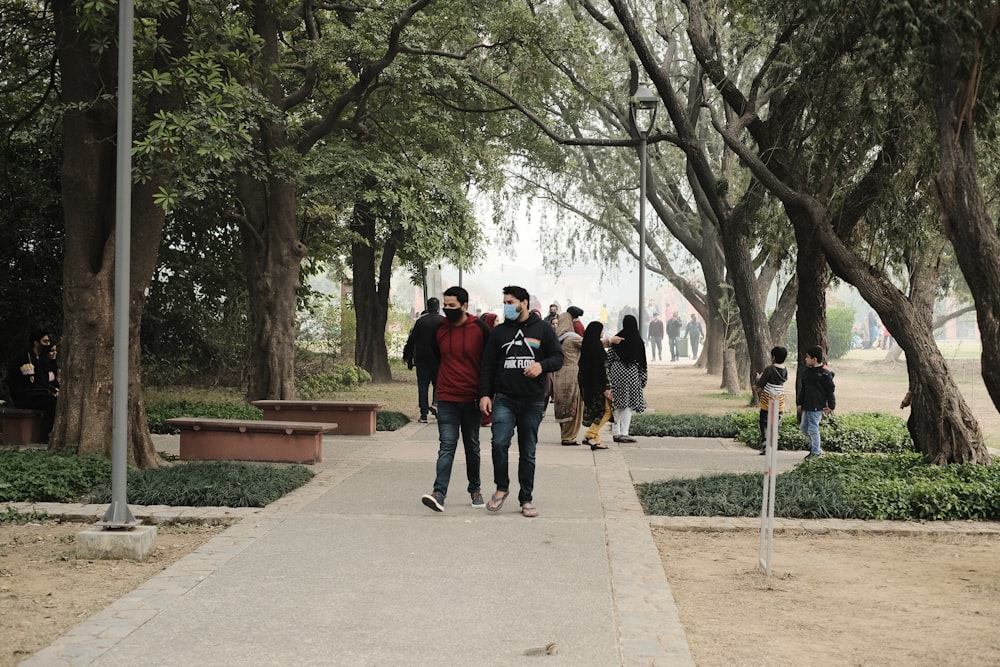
(250, 440)
(22, 427)
(352, 417)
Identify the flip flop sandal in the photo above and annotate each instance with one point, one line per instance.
(496, 501)
(529, 511)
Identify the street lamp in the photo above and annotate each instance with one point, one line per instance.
(642, 113)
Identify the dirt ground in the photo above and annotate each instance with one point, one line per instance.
(831, 600)
(836, 599)
(45, 590)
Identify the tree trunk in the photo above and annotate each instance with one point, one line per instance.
(84, 417)
(966, 220)
(742, 276)
(730, 373)
(947, 430)
(371, 294)
(273, 257)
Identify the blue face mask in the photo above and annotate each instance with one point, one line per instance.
(510, 311)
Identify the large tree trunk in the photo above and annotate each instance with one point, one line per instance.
(273, 257)
(84, 417)
(813, 278)
(371, 294)
(742, 275)
(947, 429)
(966, 221)
(272, 246)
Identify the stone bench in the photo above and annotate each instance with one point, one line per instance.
(352, 417)
(22, 427)
(250, 440)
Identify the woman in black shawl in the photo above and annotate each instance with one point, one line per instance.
(628, 373)
(595, 388)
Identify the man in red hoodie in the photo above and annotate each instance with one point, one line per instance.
(459, 345)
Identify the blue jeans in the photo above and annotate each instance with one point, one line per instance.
(526, 415)
(452, 418)
(427, 374)
(810, 427)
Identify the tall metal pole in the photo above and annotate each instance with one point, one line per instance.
(642, 235)
(118, 515)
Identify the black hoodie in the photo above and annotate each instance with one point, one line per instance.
(512, 347)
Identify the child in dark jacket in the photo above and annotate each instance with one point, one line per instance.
(770, 384)
(815, 398)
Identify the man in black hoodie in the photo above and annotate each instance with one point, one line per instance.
(512, 387)
(419, 352)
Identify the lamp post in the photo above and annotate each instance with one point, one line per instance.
(642, 113)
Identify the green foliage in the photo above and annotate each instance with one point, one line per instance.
(871, 432)
(11, 515)
(388, 420)
(34, 475)
(839, 328)
(690, 426)
(322, 385)
(210, 484)
(896, 487)
(159, 411)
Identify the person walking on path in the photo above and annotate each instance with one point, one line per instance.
(770, 384)
(511, 387)
(629, 374)
(419, 352)
(656, 338)
(459, 343)
(814, 398)
(595, 386)
(694, 334)
(674, 325)
(565, 389)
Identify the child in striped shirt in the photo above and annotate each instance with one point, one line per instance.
(770, 384)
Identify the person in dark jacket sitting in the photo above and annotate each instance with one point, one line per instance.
(28, 379)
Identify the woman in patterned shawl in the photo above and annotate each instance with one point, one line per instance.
(627, 368)
(565, 390)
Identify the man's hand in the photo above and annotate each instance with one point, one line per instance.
(534, 370)
(486, 405)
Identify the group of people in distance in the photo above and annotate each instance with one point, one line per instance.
(503, 375)
(33, 377)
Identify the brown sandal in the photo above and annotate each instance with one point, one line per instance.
(528, 510)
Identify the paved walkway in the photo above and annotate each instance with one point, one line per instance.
(352, 569)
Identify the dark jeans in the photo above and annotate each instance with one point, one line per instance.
(427, 374)
(694, 346)
(763, 426)
(452, 418)
(673, 348)
(656, 346)
(525, 414)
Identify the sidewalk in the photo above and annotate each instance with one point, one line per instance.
(353, 570)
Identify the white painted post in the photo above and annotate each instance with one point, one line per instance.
(766, 549)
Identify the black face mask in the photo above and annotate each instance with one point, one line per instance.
(454, 315)
(45, 349)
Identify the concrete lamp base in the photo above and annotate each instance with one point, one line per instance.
(101, 544)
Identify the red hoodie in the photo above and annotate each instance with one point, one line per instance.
(461, 351)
